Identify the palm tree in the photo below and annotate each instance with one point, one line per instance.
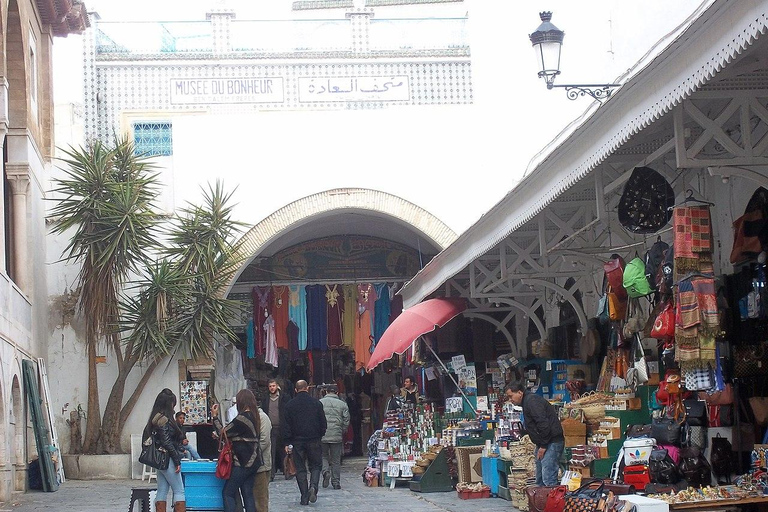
(106, 203)
(174, 306)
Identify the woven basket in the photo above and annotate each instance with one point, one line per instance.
(593, 412)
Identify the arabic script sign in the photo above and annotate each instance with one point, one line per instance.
(226, 90)
(349, 88)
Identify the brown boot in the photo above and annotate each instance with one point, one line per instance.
(180, 506)
(159, 506)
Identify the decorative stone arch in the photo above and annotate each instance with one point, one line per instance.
(18, 458)
(499, 327)
(567, 295)
(342, 199)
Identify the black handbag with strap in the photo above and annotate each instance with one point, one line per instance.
(695, 412)
(152, 454)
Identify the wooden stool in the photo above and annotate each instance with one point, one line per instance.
(142, 496)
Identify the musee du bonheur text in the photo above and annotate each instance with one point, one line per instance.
(227, 90)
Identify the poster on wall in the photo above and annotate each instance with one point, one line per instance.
(194, 400)
(468, 379)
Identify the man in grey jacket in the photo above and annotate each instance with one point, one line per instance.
(337, 417)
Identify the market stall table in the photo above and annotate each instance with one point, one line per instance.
(201, 487)
(760, 501)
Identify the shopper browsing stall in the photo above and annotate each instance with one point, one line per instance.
(543, 426)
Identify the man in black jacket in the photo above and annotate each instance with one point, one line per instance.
(543, 426)
(273, 406)
(304, 427)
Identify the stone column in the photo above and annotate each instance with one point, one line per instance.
(18, 178)
(3, 133)
(360, 19)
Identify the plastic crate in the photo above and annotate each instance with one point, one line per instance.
(471, 495)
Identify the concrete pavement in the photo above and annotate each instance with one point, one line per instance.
(113, 496)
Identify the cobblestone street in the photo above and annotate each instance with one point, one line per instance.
(113, 496)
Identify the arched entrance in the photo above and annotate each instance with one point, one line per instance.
(17, 425)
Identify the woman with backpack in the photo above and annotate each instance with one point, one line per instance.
(243, 432)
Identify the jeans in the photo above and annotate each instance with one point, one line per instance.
(169, 479)
(308, 452)
(190, 452)
(332, 460)
(261, 491)
(547, 469)
(241, 479)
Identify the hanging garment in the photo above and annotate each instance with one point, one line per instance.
(251, 348)
(293, 340)
(364, 342)
(317, 318)
(349, 320)
(381, 310)
(261, 306)
(297, 313)
(395, 307)
(334, 297)
(270, 349)
(280, 314)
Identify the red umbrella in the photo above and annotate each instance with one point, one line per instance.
(413, 322)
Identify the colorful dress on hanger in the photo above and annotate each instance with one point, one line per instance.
(350, 315)
(381, 311)
(334, 307)
(280, 314)
(261, 307)
(270, 349)
(297, 313)
(366, 302)
(317, 319)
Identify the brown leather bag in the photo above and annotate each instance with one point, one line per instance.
(537, 497)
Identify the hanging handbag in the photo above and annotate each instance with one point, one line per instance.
(617, 307)
(635, 431)
(640, 364)
(719, 415)
(695, 412)
(724, 397)
(153, 455)
(666, 431)
(664, 325)
(226, 457)
(614, 273)
(603, 313)
(749, 360)
(556, 499)
(759, 406)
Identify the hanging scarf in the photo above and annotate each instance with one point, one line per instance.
(693, 236)
(251, 348)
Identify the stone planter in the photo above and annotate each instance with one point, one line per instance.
(97, 467)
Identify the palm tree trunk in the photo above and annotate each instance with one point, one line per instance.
(93, 422)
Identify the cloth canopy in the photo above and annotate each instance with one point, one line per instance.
(415, 321)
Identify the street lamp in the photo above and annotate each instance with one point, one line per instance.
(547, 43)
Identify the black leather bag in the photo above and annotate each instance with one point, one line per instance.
(694, 467)
(666, 431)
(662, 468)
(722, 458)
(635, 431)
(152, 454)
(695, 412)
(645, 201)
